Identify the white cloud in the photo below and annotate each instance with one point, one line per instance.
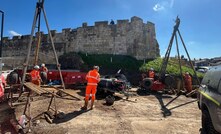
(13, 33)
(158, 7)
(163, 5)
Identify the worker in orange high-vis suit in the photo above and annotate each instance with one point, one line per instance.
(2, 87)
(93, 78)
(35, 76)
(151, 73)
(188, 82)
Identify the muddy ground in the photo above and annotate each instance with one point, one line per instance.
(143, 113)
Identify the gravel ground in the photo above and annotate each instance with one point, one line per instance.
(143, 113)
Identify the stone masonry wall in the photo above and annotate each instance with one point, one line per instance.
(133, 38)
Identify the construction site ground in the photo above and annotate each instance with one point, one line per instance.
(142, 113)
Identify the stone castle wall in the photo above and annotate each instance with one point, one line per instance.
(133, 38)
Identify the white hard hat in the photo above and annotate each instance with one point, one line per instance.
(36, 67)
(96, 67)
(43, 65)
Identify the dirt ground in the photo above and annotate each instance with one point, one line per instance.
(142, 113)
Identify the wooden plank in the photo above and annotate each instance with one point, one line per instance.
(39, 90)
(61, 90)
(34, 88)
(48, 91)
(18, 103)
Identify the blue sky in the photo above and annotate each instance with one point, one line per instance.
(200, 19)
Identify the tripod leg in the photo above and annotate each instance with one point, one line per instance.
(181, 74)
(29, 48)
(198, 82)
(52, 42)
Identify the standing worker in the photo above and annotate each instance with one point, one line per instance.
(35, 76)
(188, 82)
(44, 72)
(44, 68)
(93, 78)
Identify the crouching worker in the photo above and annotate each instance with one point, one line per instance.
(35, 76)
(151, 73)
(93, 78)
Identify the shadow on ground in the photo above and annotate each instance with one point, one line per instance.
(160, 96)
(69, 116)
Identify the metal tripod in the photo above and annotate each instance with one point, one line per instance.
(37, 15)
(167, 55)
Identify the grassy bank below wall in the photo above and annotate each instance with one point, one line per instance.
(109, 64)
(113, 62)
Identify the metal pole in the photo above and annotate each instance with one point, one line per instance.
(39, 34)
(180, 66)
(52, 42)
(189, 58)
(167, 55)
(29, 48)
(2, 25)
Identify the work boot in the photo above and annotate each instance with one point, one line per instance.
(92, 104)
(85, 105)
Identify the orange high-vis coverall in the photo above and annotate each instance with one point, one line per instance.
(92, 77)
(2, 85)
(188, 82)
(151, 74)
(35, 77)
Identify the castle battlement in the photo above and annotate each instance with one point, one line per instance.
(123, 37)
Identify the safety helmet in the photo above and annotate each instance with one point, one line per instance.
(151, 69)
(43, 65)
(36, 67)
(96, 67)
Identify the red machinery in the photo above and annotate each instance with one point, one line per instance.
(157, 86)
(69, 76)
(150, 83)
